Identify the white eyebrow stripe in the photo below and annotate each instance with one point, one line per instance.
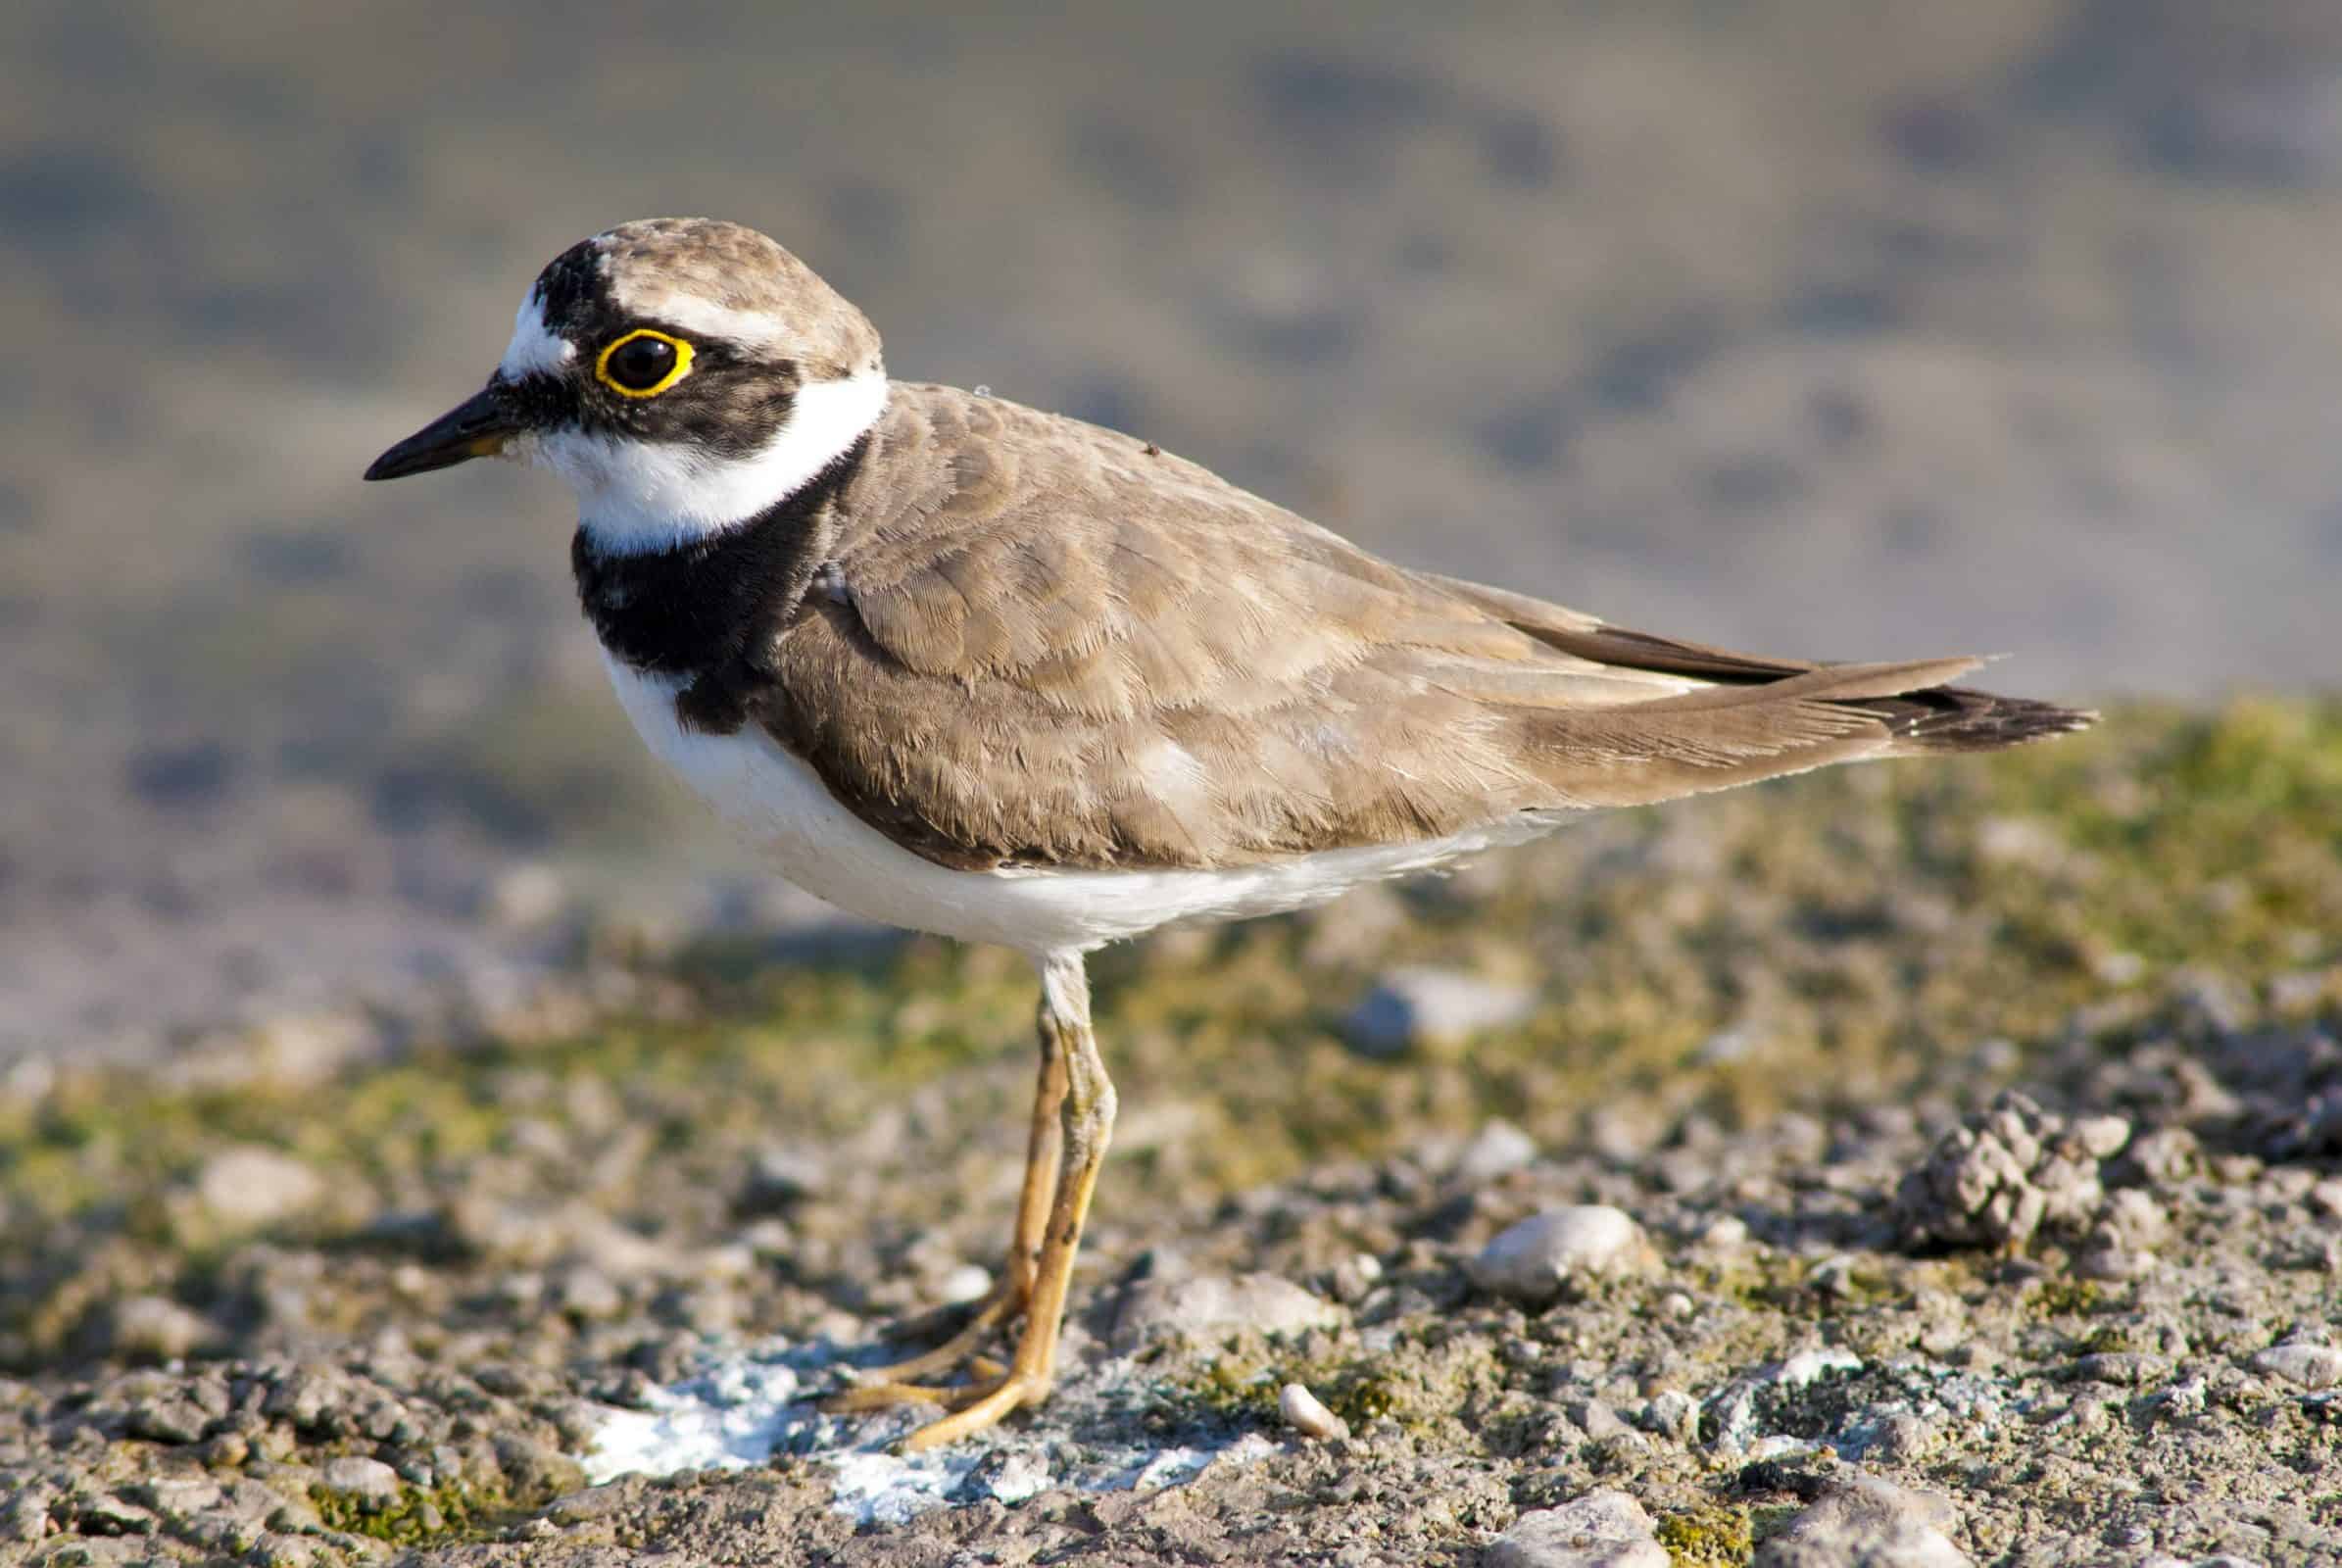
(535, 347)
(701, 318)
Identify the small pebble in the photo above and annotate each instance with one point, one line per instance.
(2102, 1136)
(108, 1515)
(1205, 1306)
(1597, 1420)
(369, 1483)
(527, 896)
(252, 1186)
(1308, 1415)
(158, 1329)
(1673, 1413)
(1496, 1150)
(1532, 1260)
(1863, 1519)
(1601, 1530)
(780, 1177)
(966, 1283)
(1416, 1007)
(2312, 1366)
(1807, 1365)
(1006, 1477)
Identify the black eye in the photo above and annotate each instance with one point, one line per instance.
(643, 362)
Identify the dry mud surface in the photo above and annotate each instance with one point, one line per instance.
(1904, 1166)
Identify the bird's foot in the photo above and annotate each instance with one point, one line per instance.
(877, 1393)
(906, 1381)
(1011, 1392)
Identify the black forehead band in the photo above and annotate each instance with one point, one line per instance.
(574, 298)
(570, 288)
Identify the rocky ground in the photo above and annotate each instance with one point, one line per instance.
(1911, 1165)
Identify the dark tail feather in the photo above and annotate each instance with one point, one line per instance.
(1932, 719)
(1954, 718)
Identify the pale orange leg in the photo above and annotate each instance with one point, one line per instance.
(1089, 1123)
(899, 1382)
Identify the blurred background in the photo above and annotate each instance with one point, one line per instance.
(1823, 326)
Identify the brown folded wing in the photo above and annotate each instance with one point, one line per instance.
(1046, 644)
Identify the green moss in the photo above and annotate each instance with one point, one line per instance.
(1714, 1536)
(2070, 1298)
(422, 1516)
(1416, 1386)
(1357, 1390)
(2225, 817)
(1780, 1284)
(2106, 1339)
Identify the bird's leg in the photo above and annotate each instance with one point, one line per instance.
(1089, 1122)
(899, 1382)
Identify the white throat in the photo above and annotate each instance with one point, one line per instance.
(640, 497)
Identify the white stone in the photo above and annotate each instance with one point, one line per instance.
(1806, 1365)
(369, 1483)
(1418, 1006)
(1601, 1530)
(250, 1185)
(1308, 1415)
(967, 1283)
(1204, 1308)
(1530, 1261)
(1497, 1148)
(1673, 1413)
(1868, 1520)
(2313, 1366)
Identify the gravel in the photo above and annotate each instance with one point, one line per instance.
(1999, 1177)
(581, 1292)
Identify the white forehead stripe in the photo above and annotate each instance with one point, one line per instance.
(534, 346)
(635, 497)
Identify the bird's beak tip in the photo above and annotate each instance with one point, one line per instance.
(480, 427)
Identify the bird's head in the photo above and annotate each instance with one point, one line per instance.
(681, 373)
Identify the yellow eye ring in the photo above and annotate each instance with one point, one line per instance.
(674, 372)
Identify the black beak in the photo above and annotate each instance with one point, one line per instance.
(477, 428)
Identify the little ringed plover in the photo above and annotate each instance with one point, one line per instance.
(966, 667)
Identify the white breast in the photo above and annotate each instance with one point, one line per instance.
(782, 808)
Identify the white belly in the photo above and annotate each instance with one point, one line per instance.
(781, 805)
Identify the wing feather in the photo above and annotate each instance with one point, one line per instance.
(1053, 646)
